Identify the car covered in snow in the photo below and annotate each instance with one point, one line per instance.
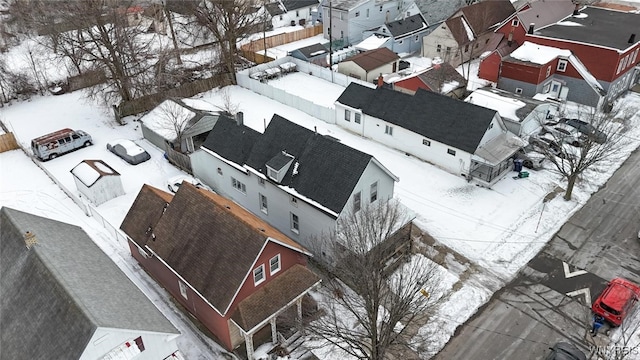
(616, 301)
(173, 183)
(128, 151)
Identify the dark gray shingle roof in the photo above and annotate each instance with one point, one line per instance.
(230, 140)
(313, 50)
(434, 116)
(436, 11)
(298, 4)
(602, 27)
(55, 294)
(406, 26)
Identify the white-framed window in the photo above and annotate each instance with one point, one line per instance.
(562, 65)
(261, 181)
(238, 185)
(518, 90)
(274, 264)
(347, 115)
(219, 171)
(258, 275)
(546, 88)
(357, 201)
(294, 201)
(548, 71)
(515, 22)
(438, 48)
(426, 142)
(263, 204)
(357, 119)
(373, 192)
(451, 152)
(555, 87)
(295, 223)
(183, 289)
(388, 130)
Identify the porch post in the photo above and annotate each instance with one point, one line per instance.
(248, 340)
(274, 331)
(299, 314)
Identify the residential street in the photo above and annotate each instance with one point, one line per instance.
(532, 312)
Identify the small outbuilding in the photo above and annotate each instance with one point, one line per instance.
(97, 181)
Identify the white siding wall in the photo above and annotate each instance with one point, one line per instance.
(441, 36)
(157, 345)
(352, 27)
(304, 13)
(407, 141)
(105, 189)
(312, 222)
(494, 130)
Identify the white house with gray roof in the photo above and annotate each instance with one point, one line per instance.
(350, 18)
(459, 137)
(404, 35)
(297, 180)
(63, 298)
(288, 12)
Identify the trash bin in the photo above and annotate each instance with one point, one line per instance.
(523, 174)
(517, 165)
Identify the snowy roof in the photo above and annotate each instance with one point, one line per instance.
(538, 54)
(164, 118)
(372, 42)
(508, 105)
(89, 171)
(598, 26)
(64, 302)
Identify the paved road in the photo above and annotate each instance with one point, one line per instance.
(596, 244)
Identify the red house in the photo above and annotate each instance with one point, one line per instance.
(605, 41)
(231, 270)
(440, 78)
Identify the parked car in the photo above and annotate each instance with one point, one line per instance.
(565, 133)
(546, 143)
(565, 351)
(587, 129)
(174, 183)
(128, 151)
(616, 301)
(52, 145)
(530, 159)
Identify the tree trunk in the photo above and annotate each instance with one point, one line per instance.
(570, 183)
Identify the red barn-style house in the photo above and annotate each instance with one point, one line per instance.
(231, 270)
(605, 41)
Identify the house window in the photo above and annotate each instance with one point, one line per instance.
(357, 120)
(373, 192)
(438, 48)
(272, 173)
(295, 223)
(562, 65)
(294, 201)
(515, 22)
(380, 8)
(448, 51)
(183, 289)
(347, 115)
(238, 185)
(548, 71)
(274, 264)
(367, 12)
(400, 42)
(555, 87)
(416, 38)
(451, 152)
(261, 181)
(263, 204)
(357, 201)
(219, 171)
(388, 130)
(340, 15)
(357, 13)
(518, 90)
(258, 275)
(341, 34)
(426, 142)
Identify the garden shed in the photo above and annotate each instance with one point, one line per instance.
(97, 181)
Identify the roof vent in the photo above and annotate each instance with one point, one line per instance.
(576, 10)
(228, 207)
(632, 38)
(30, 239)
(531, 27)
(261, 229)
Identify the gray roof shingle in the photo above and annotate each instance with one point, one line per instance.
(55, 294)
(230, 140)
(434, 116)
(406, 26)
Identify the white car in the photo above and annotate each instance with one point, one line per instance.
(174, 183)
(128, 151)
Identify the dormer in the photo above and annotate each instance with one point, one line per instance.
(278, 166)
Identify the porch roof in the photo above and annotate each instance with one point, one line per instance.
(274, 297)
(499, 149)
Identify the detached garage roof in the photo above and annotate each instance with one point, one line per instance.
(373, 59)
(90, 171)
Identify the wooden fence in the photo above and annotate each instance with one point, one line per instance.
(281, 39)
(8, 142)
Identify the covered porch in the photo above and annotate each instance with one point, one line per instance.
(495, 158)
(263, 308)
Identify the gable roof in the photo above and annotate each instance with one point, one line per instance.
(440, 75)
(434, 116)
(210, 241)
(598, 26)
(373, 59)
(405, 27)
(485, 15)
(313, 50)
(184, 113)
(290, 5)
(230, 140)
(436, 11)
(542, 13)
(510, 106)
(90, 171)
(275, 8)
(56, 293)
(324, 170)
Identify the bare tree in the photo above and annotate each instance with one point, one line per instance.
(227, 102)
(175, 119)
(369, 307)
(572, 157)
(229, 21)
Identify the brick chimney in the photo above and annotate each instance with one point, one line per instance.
(380, 81)
(576, 10)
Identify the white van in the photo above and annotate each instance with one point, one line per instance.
(50, 146)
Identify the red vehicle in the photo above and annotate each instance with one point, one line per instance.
(616, 301)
